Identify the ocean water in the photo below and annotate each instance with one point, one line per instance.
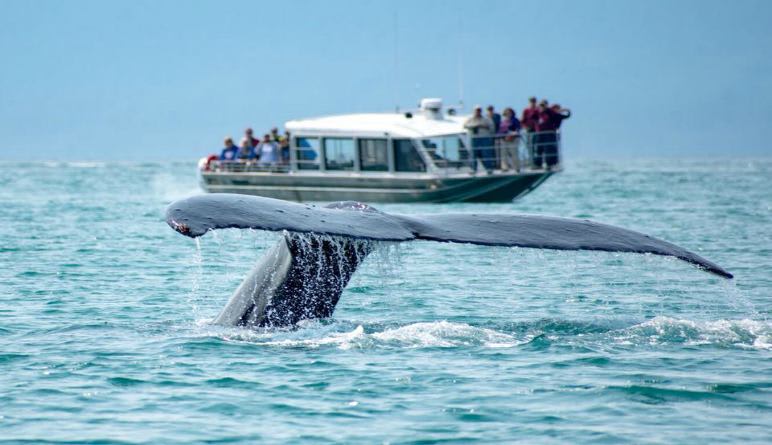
(105, 333)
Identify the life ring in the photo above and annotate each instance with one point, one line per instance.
(205, 163)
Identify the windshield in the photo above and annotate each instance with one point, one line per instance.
(446, 150)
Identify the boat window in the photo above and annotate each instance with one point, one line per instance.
(446, 151)
(373, 156)
(339, 153)
(307, 153)
(406, 157)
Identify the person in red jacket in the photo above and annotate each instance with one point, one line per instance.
(544, 118)
(550, 119)
(529, 121)
(530, 116)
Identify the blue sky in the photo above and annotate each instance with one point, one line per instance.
(131, 80)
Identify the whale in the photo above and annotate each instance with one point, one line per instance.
(302, 277)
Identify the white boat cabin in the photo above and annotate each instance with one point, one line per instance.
(413, 142)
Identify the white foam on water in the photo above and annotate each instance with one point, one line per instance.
(743, 333)
(343, 340)
(438, 334)
(305, 335)
(445, 334)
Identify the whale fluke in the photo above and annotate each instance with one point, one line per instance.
(545, 232)
(300, 279)
(197, 215)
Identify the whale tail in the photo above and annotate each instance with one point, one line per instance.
(303, 277)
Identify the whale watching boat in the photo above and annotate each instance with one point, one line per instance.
(424, 155)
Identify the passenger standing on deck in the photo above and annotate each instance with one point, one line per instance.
(529, 121)
(546, 142)
(230, 151)
(284, 148)
(510, 122)
(480, 130)
(247, 151)
(493, 116)
(530, 116)
(509, 133)
(560, 114)
(275, 136)
(249, 139)
(268, 151)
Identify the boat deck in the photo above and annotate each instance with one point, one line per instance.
(448, 168)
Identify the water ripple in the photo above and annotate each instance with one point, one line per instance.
(106, 332)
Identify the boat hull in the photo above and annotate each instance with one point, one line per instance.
(503, 187)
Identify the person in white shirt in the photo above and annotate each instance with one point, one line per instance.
(267, 151)
(480, 129)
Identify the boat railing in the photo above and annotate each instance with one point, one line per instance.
(513, 152)
(246, 166)
(531, 151)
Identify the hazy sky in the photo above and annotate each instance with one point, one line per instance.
(168, 79)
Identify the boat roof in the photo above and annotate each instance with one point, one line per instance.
(379, 124)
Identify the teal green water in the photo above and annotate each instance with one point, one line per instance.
(104, 333)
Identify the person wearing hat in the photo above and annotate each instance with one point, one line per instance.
(480, 131)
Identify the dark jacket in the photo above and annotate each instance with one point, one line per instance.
(560, 117)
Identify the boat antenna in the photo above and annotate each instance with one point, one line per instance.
(460, 62)
(395, 78)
